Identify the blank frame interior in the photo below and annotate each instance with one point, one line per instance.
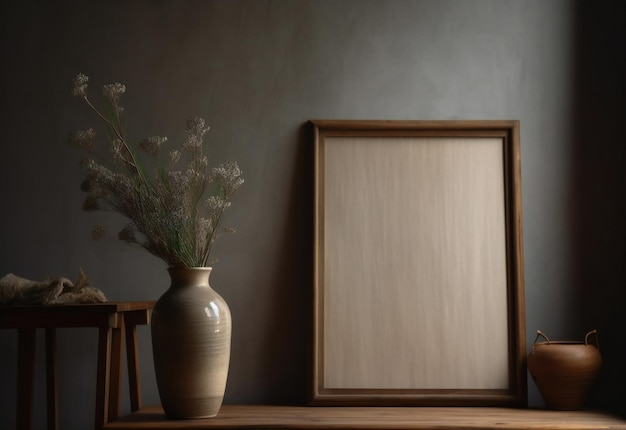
(418, 282)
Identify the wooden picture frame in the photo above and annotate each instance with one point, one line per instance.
(418, 264)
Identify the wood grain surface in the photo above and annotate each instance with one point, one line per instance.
(295, 417)
(414, 257)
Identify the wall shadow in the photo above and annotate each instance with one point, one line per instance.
(598, 189)
(290, 337)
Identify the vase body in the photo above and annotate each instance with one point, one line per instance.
(564, 371)
(191, 335)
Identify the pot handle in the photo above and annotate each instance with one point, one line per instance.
(597, 342)
(540, 333)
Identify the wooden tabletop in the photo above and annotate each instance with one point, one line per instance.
(340, 418)
(72, 315)
(80, 307)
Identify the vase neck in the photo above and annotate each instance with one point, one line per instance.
(189, 276)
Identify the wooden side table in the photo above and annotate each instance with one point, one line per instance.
(114, 321)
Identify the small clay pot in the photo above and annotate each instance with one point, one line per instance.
(564, 371)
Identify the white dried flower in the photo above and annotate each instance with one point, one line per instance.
(217, 204)
(164, 206)
(152, 145)
(196, 129)
(174, 158)
(79, 85)
(118, 151)
(229, 176)
(113, 92)
(202, 163)
(197, 126)
(177, 181)
(84, 139)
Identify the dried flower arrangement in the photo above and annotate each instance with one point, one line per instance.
(171, 210)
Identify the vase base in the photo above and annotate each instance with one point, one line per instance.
(194, 409)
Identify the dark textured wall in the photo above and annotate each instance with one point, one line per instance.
(258, 71)
(598, 181)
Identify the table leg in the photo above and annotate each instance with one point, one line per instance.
(103, 376)
(25, 377)
(51, 378)
(115, 379)
(131, 320)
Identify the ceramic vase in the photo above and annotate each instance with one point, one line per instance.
(564, 371)
(191, 336)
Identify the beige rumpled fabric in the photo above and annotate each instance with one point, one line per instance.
(15, 290)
